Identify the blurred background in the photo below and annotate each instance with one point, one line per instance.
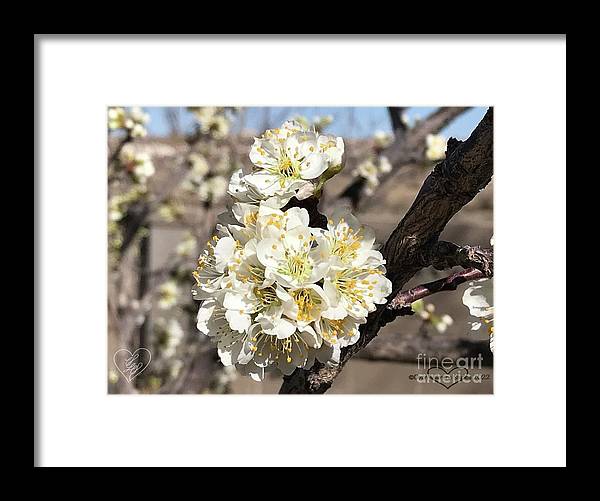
(168, 171)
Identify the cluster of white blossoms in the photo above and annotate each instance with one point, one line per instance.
(134, 120)
(382, 139)
(187, 245)
(167, 294)
(427, 313)
(436, 147)
(170, 334)
(376, 163)
(118, 204)
(208, 181)
(277, 293)
(288, 162)
(213, 120)
(138, 164)
(370, 169)
(479, 298)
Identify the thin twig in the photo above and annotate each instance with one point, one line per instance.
(400, 305)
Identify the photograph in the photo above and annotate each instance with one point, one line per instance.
(259, 250)
(366, 233)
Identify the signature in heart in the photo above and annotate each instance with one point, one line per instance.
(447, 379)
(131, 365)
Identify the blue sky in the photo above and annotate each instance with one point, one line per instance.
(348, 122)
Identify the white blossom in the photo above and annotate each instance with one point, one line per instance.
(212, 120)
(288, 158)
(406, 119)
(370, 169)
(171, 335)
(198, 165)
(385, 165)
(175, 368)
(113, 377)
(478, 297)
(168, 293)
(137, 115)
(116, 118)
(217, 187)
(382, 139)
(209, 181)
(443, 323)
(115, 213)
(187, 246)
(138, 164)
(245, 192)
(293, 256)
(219, 127)
(427, 313)
(134, 120)
(436, 147)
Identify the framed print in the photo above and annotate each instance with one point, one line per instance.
(364, 233)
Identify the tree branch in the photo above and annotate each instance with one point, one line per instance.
(114, 156)
(400, 305)
(413, 245)
(430, 125)
(448, 255)
(138, 213)
(477, 262)
(398, 125)
(409, 146)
